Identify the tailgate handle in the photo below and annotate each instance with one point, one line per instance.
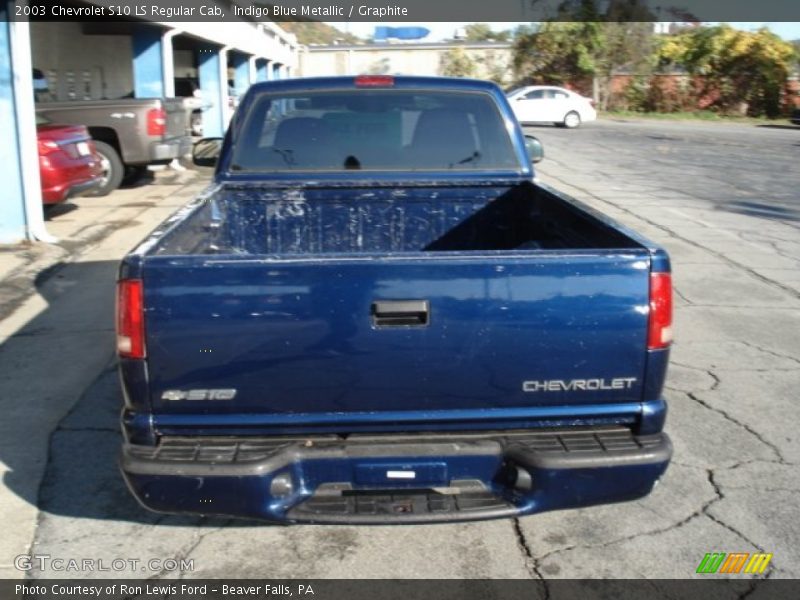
(400, 313)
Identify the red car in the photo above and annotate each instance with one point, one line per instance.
(68, 163)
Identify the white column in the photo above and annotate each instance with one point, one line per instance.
(252, 69)
(168, 62)
(223, 88)
(20, 42)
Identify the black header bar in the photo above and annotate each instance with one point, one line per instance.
(411, 11)
(397, 589)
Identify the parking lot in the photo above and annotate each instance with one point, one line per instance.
(721, 198)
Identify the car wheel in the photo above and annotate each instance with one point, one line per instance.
(572, 120)
(112, 168)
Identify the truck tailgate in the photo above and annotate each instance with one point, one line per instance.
(301, 342)
(177, 119)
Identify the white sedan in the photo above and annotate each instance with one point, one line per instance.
(548, 104)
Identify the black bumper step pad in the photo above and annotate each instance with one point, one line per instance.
(417, 505)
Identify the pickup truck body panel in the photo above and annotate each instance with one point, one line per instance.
(293, 337)
(128, 118)
(407, 346)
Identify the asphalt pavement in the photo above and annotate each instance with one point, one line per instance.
(723, 199)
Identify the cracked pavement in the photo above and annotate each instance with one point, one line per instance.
(721, 198)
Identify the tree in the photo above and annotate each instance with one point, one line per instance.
(457, 63)
(556, 52)
(628, 46)
(587, 44)
(493, 66)
(583, 54)
(316, 32)
(738, 71)
(482, 32)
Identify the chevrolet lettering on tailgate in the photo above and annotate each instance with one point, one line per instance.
(561, 385)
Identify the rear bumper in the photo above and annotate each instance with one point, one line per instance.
(86, 186)
(59, 193)
(395, 479)
(171, 148)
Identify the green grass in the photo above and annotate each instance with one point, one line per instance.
(700, 115)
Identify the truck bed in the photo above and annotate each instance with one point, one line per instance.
(350, 302)
(314, 221)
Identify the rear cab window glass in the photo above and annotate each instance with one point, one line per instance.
(374, 130)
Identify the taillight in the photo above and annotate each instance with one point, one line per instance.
(659, 328)
(156, 121)
(374, 81)
(47, 147)
(130, 318)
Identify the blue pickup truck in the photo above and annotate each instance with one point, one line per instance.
(376, 314)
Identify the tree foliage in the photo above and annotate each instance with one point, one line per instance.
(556, 52)
(624, 46)
(576, 53)
(482, 32)
(742, 71)
(457, 63)
(493, 66)
(316, 32)
(730, 69)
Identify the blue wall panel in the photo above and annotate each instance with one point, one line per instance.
(241, 72)
(262, 66)
(148, 73)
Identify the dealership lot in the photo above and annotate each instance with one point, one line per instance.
(721, 198)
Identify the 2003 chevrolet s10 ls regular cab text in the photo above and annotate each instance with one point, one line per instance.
(376, 314)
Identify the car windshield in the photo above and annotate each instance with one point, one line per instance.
(374, 130)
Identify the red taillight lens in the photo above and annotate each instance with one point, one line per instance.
(659, 330)
(156, 121)
(47, 147)
(374, 81)
(130, 319)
